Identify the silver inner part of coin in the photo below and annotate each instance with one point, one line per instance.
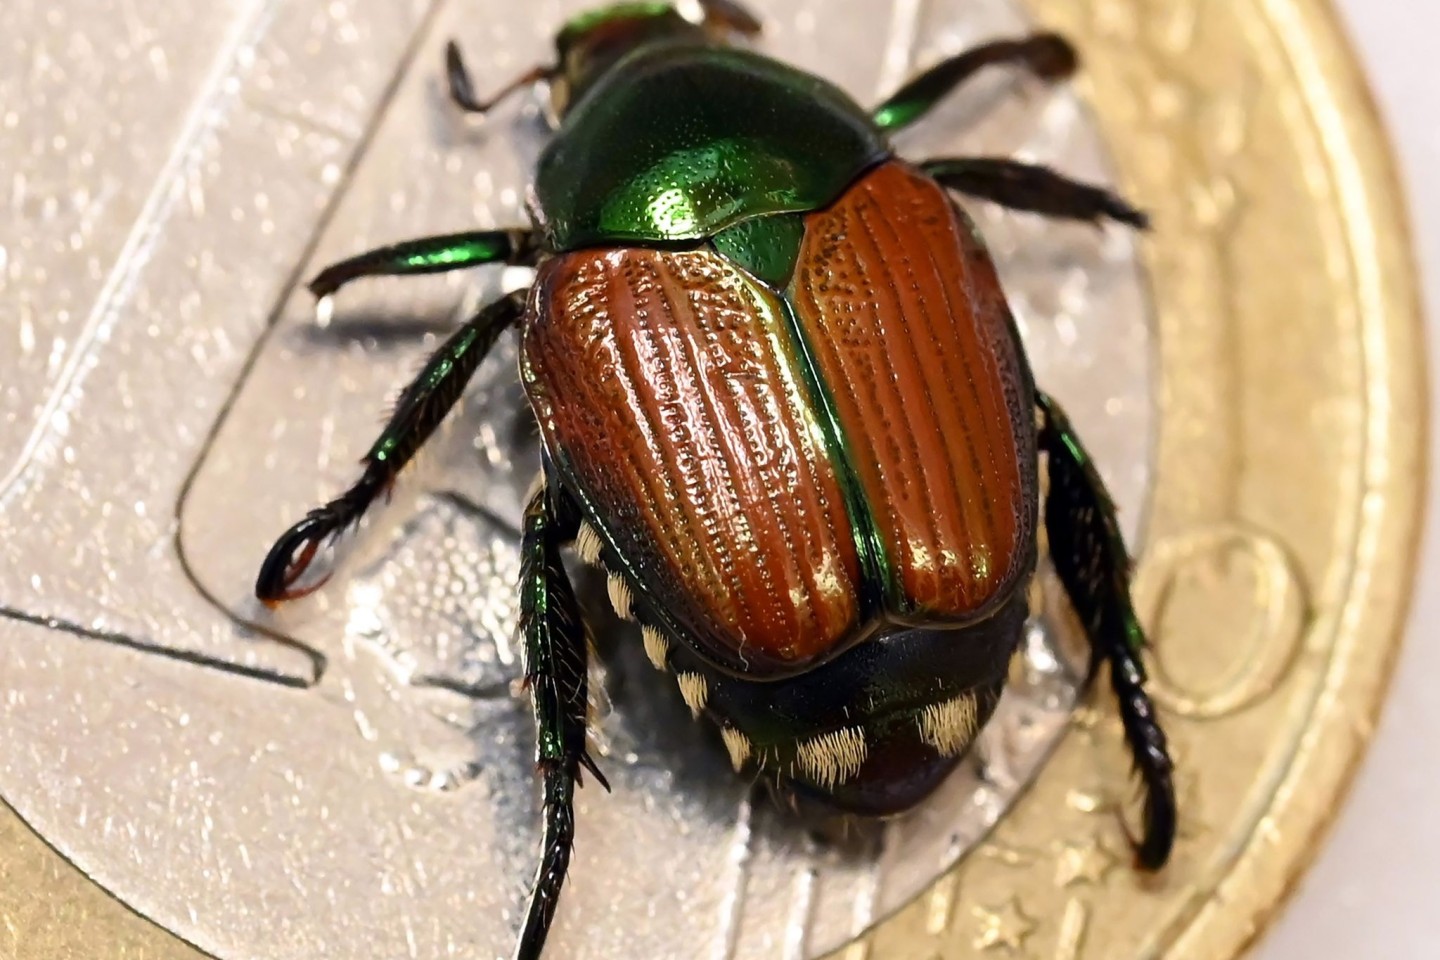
(352, 777)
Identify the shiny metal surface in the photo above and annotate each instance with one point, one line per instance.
(351, 778)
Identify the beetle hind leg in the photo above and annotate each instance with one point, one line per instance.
(1033, 189)
(556, 652)
(1090, 558)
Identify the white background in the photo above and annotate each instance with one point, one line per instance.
(1374, 893)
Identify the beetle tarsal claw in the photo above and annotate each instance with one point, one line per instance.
(738, 746)
(832, 758)
(621, 598)
(657, 648)
(949, 727)
(588, 544)
(695, 691)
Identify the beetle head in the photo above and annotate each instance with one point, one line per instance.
(590, 44)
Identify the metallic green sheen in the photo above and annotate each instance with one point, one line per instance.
(767, 247)
(894, 116)
(590, 19)
(879, 587)
(678, 142)
(485, 250)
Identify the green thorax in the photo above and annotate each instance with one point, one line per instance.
(680, 141)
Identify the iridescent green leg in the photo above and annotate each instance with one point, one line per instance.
(1033, 189)
(1046, 55)
(456, 251)
(421, 408)
(1089, 555)
(555, 672)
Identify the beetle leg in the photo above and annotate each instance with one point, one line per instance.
(555, 672)
(421, 408)
(455, 251)
(1033, 189)
(462, 91)
(1090, 557)
(1046, 55)
(730, 15)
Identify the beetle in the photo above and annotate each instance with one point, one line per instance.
(784, 404)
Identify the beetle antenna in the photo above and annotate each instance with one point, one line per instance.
(462, 90)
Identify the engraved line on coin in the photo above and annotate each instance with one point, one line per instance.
(190, 657)
(1279, 612)
(1073, 926)
(1205, 269)
(940, 909)
(207, 113)
(862, 914)
(802, 907)
(1218, 207)
(362, 146)
(737, 868)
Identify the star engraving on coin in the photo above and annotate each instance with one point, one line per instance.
(1086, 861)
(1006, 926)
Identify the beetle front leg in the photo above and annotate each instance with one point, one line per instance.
(1033, 189)
(555, 672)
(421, 408)
(1089, 555)
(462, 89)
(730, 15)
(455, 251)
(1045, 55)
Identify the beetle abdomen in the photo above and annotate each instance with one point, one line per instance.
(909, 331)
(667, 391)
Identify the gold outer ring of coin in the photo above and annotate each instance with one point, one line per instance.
(1276, 571)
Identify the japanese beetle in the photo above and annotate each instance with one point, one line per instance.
(784, 404)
